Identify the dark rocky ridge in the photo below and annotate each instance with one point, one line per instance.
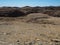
(10, 12)
(16, 11)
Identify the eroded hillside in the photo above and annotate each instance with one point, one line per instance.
(30, 29)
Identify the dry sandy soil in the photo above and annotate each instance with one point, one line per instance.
(30, 30)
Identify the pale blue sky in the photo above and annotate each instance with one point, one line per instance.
(21, 3)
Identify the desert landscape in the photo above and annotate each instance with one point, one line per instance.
(30, 25)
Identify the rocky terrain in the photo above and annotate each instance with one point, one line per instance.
(29, 28)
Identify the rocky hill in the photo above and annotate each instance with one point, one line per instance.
(17, 11)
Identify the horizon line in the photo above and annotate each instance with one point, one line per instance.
(30, 6)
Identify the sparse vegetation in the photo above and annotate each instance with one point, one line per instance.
(30, 25)
(16, 11)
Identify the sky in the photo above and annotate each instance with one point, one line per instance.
(21, 3)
